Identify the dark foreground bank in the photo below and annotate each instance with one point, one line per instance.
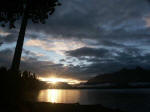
(49, 107)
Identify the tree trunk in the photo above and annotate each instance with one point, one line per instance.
(18, 50)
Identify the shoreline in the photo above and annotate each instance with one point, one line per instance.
(96, 88)
(61, 107)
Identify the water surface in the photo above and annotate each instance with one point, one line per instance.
(130, 100)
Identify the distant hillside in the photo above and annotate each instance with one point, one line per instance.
(122, 77)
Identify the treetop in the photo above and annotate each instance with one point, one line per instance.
(36, 10)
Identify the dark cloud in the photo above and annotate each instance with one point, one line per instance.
(111, 61)
(115, 32)
(96, 19)
(104, 19)
(1, 43)
(128, 57)
(104, 54)
(62, 60)
(112, 19)
(111, 44)
(31, 63)
(10, 38)
(48, 68)
(86, 51)
(6, 57)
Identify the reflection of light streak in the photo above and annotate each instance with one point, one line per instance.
(53, 96)
(59, 96)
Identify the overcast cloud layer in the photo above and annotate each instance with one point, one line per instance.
(84, 38)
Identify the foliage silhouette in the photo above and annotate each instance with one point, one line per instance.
(15, 84)
(36, 10)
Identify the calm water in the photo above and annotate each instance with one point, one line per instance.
(130, 100)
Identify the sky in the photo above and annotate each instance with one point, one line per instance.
(84, 38)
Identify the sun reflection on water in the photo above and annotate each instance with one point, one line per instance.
(53, 96)
(59, 96)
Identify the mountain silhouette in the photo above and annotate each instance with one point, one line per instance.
(122, 77)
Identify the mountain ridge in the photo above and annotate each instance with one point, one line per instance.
(122, 77)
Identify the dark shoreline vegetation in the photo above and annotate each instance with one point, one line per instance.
(14, 85)
(60, 107)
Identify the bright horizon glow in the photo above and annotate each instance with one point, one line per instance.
(55, 80)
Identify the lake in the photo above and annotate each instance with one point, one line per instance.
(130, 100)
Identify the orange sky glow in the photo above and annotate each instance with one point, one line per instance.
(55, 80)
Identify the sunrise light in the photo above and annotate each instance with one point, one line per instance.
(55, 80)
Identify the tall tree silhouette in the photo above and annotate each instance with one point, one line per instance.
(36, 10)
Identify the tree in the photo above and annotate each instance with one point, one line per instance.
(36, 10)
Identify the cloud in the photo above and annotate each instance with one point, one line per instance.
(99, 63)
(104, 61)
(59, 46)
(42, 68)
(90, 52)
(95, 20)
(3, 33)
(7, 37)
(109, 20)
(79, 19)
(1, 43)
(6, 57)
(33, 53)
(91, 37)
